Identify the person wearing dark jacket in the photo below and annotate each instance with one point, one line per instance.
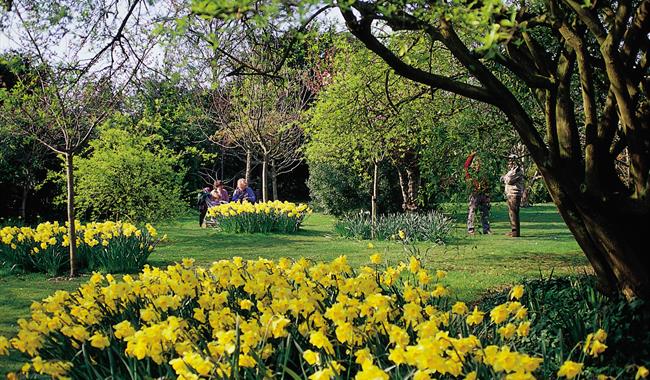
(203, 203)
(243, 192)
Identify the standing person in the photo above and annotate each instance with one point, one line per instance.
(479, 197)
(223, 196)
(514, 181)
(203, 203)
(243, 192)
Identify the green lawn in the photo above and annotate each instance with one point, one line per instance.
(475, 264)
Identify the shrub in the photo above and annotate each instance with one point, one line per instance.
(272, 216)
(260, 319)
(430, 226)
(337, 189)
(128, 177)
(108, 246)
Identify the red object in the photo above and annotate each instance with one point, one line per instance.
(468, 162)
(475, 182)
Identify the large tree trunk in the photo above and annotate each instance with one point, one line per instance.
(373, 206)
(265, 196)
(609, 233)
(274, 181)
(72, 235)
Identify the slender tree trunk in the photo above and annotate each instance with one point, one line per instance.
(23, 202)
(401, 174)
(72, 235)
(265, 196)
(249, 158)
(274, 181)
(375, 194)
(223, 154)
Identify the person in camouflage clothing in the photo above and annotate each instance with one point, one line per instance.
(514, 181)
(479, 197)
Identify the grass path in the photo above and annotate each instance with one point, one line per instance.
(475, 264)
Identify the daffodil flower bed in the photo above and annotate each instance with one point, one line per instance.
(263, 319)
(272, 216)
(109, 246)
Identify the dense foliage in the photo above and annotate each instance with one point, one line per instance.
(246, 217)
(261, 319)
(336, 189)
(107, 246)
(128, 176)
(431, 226)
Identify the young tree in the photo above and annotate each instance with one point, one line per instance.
(365, 116)
(549, 48)
(366, 104)
(260, 117)
(83, 57)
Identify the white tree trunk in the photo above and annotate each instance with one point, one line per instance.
(265, 196)
(247, 174)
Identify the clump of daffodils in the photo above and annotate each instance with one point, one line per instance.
(114, 246)
(261, 318)
(272, 216)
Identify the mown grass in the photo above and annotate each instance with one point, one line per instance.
(474, 264)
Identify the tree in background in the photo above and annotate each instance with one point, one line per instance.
(260, 117)
(24, 162)
(356, 124)
(175, 114)
(129, 176)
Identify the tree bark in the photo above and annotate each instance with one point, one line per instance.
(72, 235)
(375, 194)
(408, 171)
(265, 196)
(249, 158)
(274, 181)
(609, 235)
(23, 202)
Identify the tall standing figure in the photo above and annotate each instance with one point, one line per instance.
(514, 181)
(479, 197)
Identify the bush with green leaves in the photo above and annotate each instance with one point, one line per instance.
(430, 226)
(128, 177)
(336, 189)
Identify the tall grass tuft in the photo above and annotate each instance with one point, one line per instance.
(430, 226)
